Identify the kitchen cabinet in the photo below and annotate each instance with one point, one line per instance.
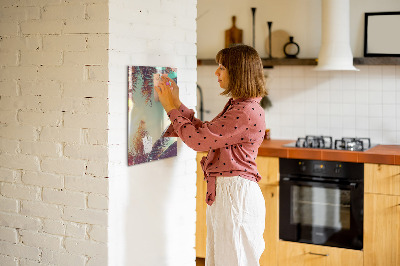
(300, 254)
(268, 168)
(271, 232)
(269, 185)
(382, 179)
(201, 205)
(382, 215)
(381, 230)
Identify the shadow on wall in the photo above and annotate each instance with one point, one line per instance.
(148, 229)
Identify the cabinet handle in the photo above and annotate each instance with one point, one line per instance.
(318, 254)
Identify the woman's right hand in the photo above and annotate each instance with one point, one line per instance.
(175, 90)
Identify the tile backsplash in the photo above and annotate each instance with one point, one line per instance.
(363, 103)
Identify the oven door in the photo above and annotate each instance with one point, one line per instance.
(321, 212)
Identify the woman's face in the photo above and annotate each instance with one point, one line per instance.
(223, 76)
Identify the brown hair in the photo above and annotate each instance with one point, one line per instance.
(245, 69)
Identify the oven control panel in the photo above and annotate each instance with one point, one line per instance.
(317, 168)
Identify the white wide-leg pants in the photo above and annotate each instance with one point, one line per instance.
(235, 223)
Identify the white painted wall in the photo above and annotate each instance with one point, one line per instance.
(152, 205)
(341, 104)
(298, 18)
(301, 19)
(53, 132)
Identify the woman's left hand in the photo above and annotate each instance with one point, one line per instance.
(165, 95)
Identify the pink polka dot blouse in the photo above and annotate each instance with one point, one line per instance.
(232, 139)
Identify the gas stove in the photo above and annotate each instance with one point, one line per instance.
(326, 142)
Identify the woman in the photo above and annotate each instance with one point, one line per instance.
(236, 211)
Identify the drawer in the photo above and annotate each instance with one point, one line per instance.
(382, 179)
(299, 254)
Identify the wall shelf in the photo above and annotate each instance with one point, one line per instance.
(269, 63)
(377, 61)
(288, 62)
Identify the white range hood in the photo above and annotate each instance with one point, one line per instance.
(335, 52)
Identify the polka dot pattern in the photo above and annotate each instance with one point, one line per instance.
(232, 139)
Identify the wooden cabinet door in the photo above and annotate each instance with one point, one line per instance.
(271, 232)
(201, 205)
(268, 168)
(381, 230)
(382, 179)
(299, 254)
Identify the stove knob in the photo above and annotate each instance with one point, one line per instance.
(302, 166)
(338, 169)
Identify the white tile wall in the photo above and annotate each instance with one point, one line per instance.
(337, 103)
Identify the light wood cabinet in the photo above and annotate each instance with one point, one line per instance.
(299, 254)
(382, 179)
(201, 205)
(381, 230)
(382, 215)
(268, 168)
(271, 232)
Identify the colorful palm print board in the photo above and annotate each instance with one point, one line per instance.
(147, 119)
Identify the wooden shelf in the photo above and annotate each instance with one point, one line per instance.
(269, 63)
(377, 61)
(289, 62)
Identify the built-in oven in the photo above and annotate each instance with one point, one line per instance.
(321, 202)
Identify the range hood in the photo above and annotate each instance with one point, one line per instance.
(335, 52)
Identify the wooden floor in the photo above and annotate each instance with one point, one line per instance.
(200, 262)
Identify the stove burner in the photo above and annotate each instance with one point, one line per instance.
(324, 142)
(353, 144)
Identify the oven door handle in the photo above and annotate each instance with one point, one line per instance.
(319, 182)
(352, 184)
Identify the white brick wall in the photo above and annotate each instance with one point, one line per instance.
(152, 205)
(53, 132)
(60, 138)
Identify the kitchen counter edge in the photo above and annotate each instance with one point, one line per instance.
(379, 154)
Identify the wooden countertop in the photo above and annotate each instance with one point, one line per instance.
(380, 154)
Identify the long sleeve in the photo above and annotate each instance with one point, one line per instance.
(187, 113)
(230, 128)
